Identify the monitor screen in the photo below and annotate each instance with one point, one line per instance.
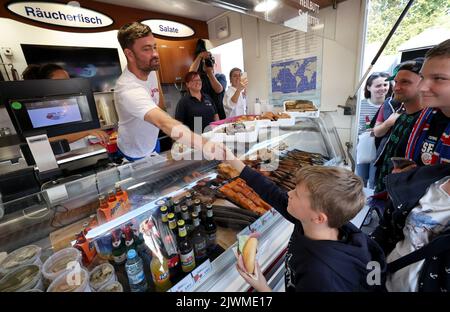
(100, 65)
(44, 113)
(57, 107)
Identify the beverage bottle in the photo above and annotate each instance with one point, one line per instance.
(122, 198)
(141, 248)
(135, 272)
(173, 257)
(164, 213)
(198, 207)
(177, 209)
(210, 229)
(119, 251)
(160, 203)
(129, 238)
(173, 224)
(102, 210)
(187, 219)
(186, 249)
(113, 205)
(160, 272)
(188, 201)
(257, 107)
(198, 238)
(169, 204)
(169, 243)
(86, 247)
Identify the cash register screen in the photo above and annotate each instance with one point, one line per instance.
(57, 111)
(54, 112)
(57, 107)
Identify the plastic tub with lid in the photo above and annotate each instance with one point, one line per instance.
(30, 254)
(58, 263)
(22, 278)
(101, 275)
(71, 281)
(112, 287)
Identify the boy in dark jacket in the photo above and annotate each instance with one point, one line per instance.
(325, 251)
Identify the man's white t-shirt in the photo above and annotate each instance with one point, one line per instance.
(427, 220)
(234, 109)
(133, 99)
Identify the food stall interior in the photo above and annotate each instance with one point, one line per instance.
(54, 218)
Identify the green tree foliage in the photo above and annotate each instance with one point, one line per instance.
(422, 15)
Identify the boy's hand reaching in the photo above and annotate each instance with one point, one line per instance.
(260, 283)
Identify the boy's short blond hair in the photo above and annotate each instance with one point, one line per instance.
(337, 192)
(128, 34)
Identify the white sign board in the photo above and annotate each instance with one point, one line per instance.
(60, 14)
(169, 28)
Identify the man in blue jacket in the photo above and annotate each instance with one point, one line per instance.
(325, 251)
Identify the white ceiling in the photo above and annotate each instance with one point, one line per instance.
(184, 8)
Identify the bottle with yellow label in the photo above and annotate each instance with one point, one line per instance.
(186, 249)
(160, 272)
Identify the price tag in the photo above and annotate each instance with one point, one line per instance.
(259, 224)
(201, 271)
(185, 285)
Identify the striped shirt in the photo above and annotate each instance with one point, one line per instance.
(367, 109)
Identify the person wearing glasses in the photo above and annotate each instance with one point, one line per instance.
(196, 109)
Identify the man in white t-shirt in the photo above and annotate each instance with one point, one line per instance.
(234, 101)
(137, 97)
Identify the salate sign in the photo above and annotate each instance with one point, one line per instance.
(169, 28)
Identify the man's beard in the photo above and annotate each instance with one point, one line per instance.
(147, 68)
(399, 98)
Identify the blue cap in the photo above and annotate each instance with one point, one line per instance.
(131, 254)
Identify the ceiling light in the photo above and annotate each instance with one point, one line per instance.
(266, 6)
(74, 3)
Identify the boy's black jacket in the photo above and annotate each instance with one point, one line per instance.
(323, 265)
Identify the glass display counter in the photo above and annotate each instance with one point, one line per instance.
(135, 205)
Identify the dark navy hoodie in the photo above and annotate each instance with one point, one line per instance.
(322, 265)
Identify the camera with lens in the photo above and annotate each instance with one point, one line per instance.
(209, 62)
(201, 47)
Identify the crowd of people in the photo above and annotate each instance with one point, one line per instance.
(409, 114)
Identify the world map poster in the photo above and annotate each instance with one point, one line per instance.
(294, 76)
(295, 67)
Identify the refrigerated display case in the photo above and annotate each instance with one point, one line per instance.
(52, 218)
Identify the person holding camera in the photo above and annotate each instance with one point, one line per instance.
(204, 65)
